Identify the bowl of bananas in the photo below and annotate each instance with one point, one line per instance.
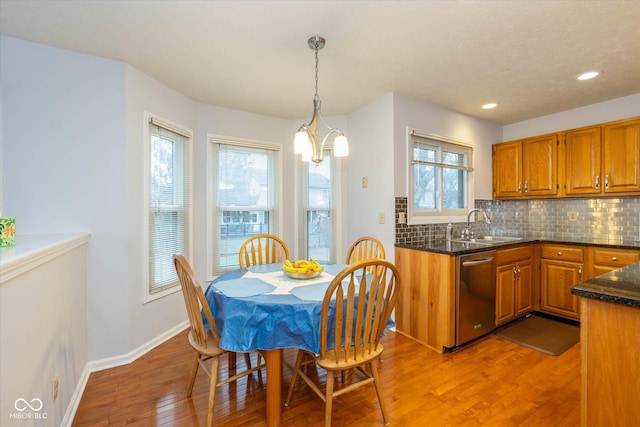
(302, 269)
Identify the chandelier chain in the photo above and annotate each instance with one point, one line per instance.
(316, 96)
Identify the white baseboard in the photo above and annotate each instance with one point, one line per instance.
(125, 359)
(112, 362)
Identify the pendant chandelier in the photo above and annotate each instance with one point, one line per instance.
(306, 141)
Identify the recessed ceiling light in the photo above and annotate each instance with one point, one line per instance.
(489, 106)
(587, 76)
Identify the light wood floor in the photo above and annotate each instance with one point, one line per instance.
(490, 383)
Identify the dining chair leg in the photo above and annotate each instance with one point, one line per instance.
(328, 400)
(294, 376)
(373, 366)
(247, 360)
(194, 372)
(212, 389)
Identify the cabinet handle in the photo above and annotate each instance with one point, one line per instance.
(614, 258)
(559, 253)
(526, 186)
(597, 182)
(606, 182)
(515, 275)
(518, 271)
(519, 186)
(580, 273)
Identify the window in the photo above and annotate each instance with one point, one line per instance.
(440, 179)
(244, 194)
(318, 209)
(168, 202)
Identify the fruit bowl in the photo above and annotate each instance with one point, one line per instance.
(302, 269)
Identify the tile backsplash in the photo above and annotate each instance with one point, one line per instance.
(612, 218)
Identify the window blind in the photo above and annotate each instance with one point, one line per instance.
(169, 208)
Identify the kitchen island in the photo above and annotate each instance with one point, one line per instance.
(610, 340)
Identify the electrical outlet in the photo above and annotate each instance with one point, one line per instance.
(381, 217)
(402, 218)
(54, 388)
(573, 216)
(365, 182)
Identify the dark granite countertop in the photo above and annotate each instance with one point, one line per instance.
(620, 286)
(459, 248)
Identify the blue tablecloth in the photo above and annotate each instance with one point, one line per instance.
(251, 313)
(249, 316)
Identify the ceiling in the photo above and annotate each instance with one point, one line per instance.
(253, 55)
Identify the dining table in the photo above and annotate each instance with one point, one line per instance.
(261, 308)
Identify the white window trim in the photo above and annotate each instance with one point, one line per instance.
(457, 215)
(336, 211)
(212, 220)
(174, 127)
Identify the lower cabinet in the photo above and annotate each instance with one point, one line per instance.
(606, 260)
(562, 266)
(514, 283)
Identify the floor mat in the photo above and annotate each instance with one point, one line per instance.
(542, 334)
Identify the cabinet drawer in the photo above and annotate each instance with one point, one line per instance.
(614, 257)
(562, 253)
(508, 256)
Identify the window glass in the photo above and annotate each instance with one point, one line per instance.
(440, 177)
(319, 179)
(245, 197)
(169, 206)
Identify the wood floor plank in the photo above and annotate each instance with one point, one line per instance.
(491, 382)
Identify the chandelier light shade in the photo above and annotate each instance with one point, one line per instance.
(306, 141)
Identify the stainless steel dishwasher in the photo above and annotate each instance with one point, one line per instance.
(475, 295)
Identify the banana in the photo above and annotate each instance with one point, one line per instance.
(302, 266)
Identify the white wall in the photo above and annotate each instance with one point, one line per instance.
(64, 167)
(370, 155)
(437, 120)
(43, 313)
(145, 321)
(615, 109)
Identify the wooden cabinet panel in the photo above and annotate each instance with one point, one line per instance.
(605, 260)
(582, 162)
(426, 303)
(540, 161)
(507, 170)
(562, 266)
(562, 253)
(514, 283)
(622, 157)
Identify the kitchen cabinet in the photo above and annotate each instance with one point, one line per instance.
(604, 260)
(621, 164)
(602, 160)
(582, 161)
(426, 303)
(562, 266)
(514, 283)
(526, 168)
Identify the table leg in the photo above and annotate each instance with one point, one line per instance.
(273, 360)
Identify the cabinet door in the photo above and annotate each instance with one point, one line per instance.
(606, 260)
(556, 281)
(507, 170)
(524, 288)
(505, 293)
(540, 160)
(622, 157)
(582, 161)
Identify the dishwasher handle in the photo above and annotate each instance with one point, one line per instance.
(477, 262)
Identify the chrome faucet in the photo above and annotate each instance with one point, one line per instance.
(466, 233)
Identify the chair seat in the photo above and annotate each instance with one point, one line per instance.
(211, 350)
(329, 363)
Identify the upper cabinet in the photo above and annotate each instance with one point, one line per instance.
(599, 160)
(526, 168)
(621, 163)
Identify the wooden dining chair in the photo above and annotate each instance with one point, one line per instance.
(365, 248)
(206, 342)
(353, 317)
(262, 249)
